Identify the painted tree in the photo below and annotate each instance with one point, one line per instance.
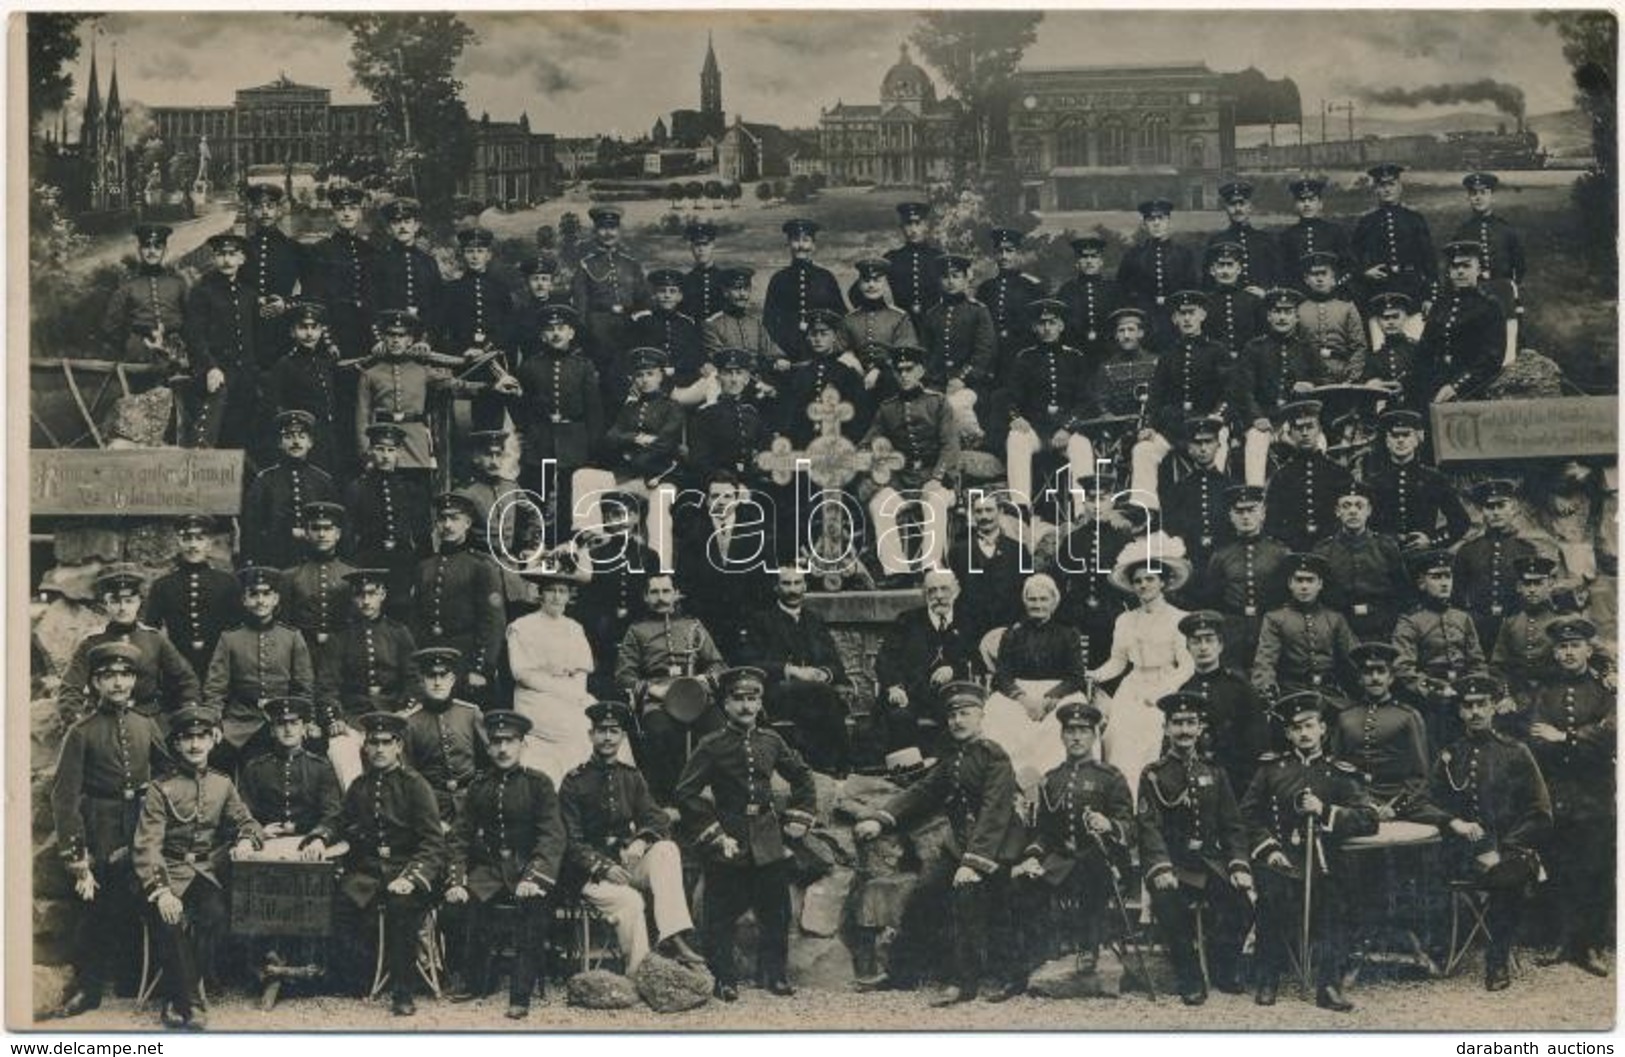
(53, 45)
(976, 52)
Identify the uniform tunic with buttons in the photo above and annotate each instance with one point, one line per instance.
(1492, 780)
(1194, 509)
(478, 312)
(188, 824)
(1398, 237)
(1522, 652)
(1234, 317)
(107, 760)
(961, 339)
(560, 415)
(251, 664)
(1437, 646)
(1188, 819)
(193, 605)
(653, 413)
(221, 316)
(1301, 648)
(738, 767)
(1366, 580)
(741, 329)
(1151, 271)
(1486, 583)
(1413, 497)
(661, 647)
(804, 386)
(974, 785)
(1303, 491)
(1270, 807)
(1060, 837)
(407, 278)
(1268, 368)
(271, 510)
(150, 298)
(1503, 249)
(446, 744)
(1260, 254)
(1045, 385)
(877, 323)
(678, 335)
(1336, 337)
(164, 680)
(921, 427)
(793, 292)
(459, 603)
(609, 282)
(1190, 379)
(914, 278)
(368, 669)
(606, 806)
(1313, 235)
(1090, 300)
(725, 435)
(275, 268)
(316, 599)
(1463, 342)
(396, 389)
(293, 788)
(1236, 730)
(393, 828)
(1397, 359)
(389, 523)
(1387, 741)
(340, 274)
(1241, 581)
(1579, 769)
(304, 380)
(509, 831)
(1008, 297)
(702, 292)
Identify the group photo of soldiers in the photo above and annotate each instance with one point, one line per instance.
(532, 649)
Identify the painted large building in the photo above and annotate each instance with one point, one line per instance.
(273, 124)
(511, 163)
(907, 139)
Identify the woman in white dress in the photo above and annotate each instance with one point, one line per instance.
(1148, 645)
(550, 659)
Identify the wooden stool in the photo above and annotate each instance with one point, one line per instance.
(431, 959)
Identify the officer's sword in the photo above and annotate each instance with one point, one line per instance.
(1122, 909)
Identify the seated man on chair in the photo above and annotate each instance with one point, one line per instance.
(188, 822)
(924, 650)
(920, 426)
(1080, 845)
(620, 845)
(1193, 846)
(804, 673)
(293, 792)
(508, 844)
(1490, 802)
(397, 850)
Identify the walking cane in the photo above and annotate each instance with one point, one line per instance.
(1309, 827)
(1128, 926)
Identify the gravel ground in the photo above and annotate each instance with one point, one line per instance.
(1560, 998)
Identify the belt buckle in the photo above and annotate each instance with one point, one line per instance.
(389, 545)
(375, 690)
(197, 644)
(451, 785)
(383, 851)
(1249, 611)
(1496, 609)
(190, 858)
(1161, 300)
(1361, 609)
(1193, 844)
(129, 794)
(506, 853)
(321, 637)
(752, 810)
(1092, 335)
(437, 631)
(617, 309)
(555, 418)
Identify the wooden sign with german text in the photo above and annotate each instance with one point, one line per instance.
(1526, 429)
(139, 482)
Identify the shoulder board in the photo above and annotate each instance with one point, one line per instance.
(1344, 765)
(1031, 278)
(642, 313)
(684, 316)
(412, 708)
(715, 316)
(140, 626)
(1269, 757)
(464, 704)
(580, 768)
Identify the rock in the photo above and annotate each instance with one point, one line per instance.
(51, 879)
(823, 902)
(45, 730)
(828, 790)
(61, 625)
(53, 931)
(882, 856)
(860, 796)
(671, 987)
(820, 962)
(881, 901)
(51, 983)
(141, 419)
(931, 839)
(601, 989)
(1061, 978)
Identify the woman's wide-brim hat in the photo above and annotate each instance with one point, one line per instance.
(1175, 571)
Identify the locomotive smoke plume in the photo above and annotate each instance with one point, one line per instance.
(1506, 98)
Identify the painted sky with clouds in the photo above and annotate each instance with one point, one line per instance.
(616, 71)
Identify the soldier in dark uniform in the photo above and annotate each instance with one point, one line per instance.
(1312, 233)
(316, 598)
(445, 742)
(1521, 653)
(797, 290)
(368, 667)
(389, 517)
(1502, 248)
(958, 332)
(1009, 296)
(677, 334)
(1365, 572)
(303, 377)
(538, 297)
(1241, 579)
(190, 822)
(924, 650)
(1391, 246)
(1395, 355)
(1572, 728)
(1235, 314)
(508, 844)
(146, 315)
(727, 433)
(1382, 736)
(1155, 268)
(1260, 260)
(1045, 387)
(1489, 800)
(405, 276)
(1303, 645)
(459, 601)
(919, 425)
(874, 320)
(479, 318)
(164, 681)
(1193, 847)
(289, 790)
(1486, 584)
(743, 834)
(276, 267)
(1192, 488)
(273, 507)
(702, 285)
(804, 672)
(222, 317)
(736, 326)
(1410, 499)
(102, 771)
(608, 287)
(974, 784)
(621, 847)
(1267, 374)
(1235, 728)
(912, 267)
(621, 564)
(1301, 804)
(1090, 298)
(1463, 342)
(397, 852)
(1304, 488)
(195, 602)
(825, 366)
(559, 414)
(1079, 847)
(644, 436)
(259, 659)
(1437, 646)
(339, 275)
(1191, 379)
